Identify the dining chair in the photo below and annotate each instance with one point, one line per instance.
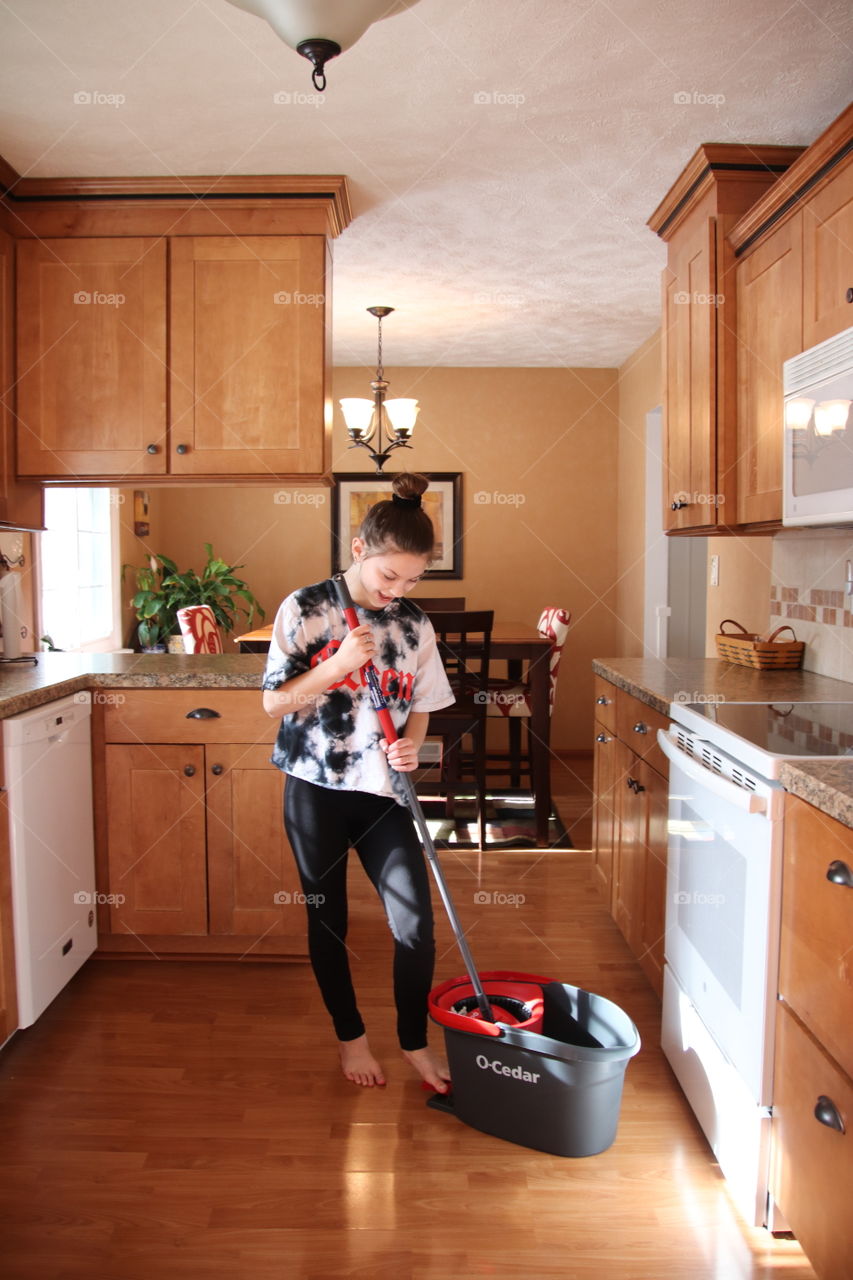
(464, 640)
(433, 603)
(510, 699)
(199, 630)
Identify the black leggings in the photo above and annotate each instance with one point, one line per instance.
(322, 824)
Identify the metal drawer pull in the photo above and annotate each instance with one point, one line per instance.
(640, 727)
(216, 768)
(635, 786)
(839, 873)
(601, 737)
(189, 770)
(602, 701)
(202, 713)
(827, 1113)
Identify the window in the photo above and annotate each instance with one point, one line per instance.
(78, 566)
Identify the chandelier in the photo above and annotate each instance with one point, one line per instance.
(382, 422)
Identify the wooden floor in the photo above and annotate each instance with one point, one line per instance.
(188, 1120)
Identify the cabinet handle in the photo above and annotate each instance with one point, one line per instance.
(826, 1112)
(602, 701)
(639, 727)
(202, 713)
(840, 873)
(189, 770)
(217, 769)
(850, 295)
(152, 448)
(182, 448)
(601, 737)
(677, 506)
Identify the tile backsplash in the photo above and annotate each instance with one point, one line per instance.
(807, 591)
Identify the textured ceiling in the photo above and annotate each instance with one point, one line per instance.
(502, 155)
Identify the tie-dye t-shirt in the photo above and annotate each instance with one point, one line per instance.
(334, 740)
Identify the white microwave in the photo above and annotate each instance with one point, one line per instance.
(817, 467)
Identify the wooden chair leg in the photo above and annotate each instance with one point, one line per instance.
(514, 725)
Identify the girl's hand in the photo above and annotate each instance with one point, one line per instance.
(402, 754)
(356, 648)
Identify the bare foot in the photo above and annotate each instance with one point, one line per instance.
(359, 1064)
(433, 1071)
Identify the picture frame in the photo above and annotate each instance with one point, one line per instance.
(354, 492)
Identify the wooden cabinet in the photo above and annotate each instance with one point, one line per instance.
(21, 504)
(828, 258)
(247, 355)
(812, 1131)
(698, 328)
(244, 364)
(630, 824)
(194, 858)
(92, 357)
(770, 331)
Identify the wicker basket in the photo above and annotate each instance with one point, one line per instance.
(766, 653)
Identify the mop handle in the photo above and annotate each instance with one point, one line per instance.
(390, 734)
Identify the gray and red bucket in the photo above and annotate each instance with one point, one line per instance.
(547, 1074)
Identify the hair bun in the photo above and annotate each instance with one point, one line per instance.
(409, 485)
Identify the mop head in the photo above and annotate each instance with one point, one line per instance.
(515, 999)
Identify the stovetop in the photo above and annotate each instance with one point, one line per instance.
(763, 735)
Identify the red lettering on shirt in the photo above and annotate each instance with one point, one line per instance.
(396, 685)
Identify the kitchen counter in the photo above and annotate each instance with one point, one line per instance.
(58, 674)
(827, 786)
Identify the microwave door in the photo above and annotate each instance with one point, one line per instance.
(818, 450)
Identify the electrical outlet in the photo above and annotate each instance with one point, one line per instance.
(715, 571)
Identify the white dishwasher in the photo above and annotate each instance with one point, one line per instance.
(48, 761)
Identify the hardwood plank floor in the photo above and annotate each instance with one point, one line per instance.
(188, 1120)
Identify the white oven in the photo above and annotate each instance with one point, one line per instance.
(723, 908)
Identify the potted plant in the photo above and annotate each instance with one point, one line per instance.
(155, 617)
(162, 589)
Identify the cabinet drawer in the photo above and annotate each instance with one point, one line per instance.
(605, 695)
(637, 725)
(812, 1168)
(816, 960)
(160, 715)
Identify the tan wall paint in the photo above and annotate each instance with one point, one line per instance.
(744, 590)
(640, 388)
(548, 436)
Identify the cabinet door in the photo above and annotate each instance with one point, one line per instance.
(253, 885)
(654, 880)
(630, 848)
(21, 505)
(156, 839)
(770, 331)
(689, 356)
(828, 258)
(8, 987)
(91, 357)
(248, 353)
(605, 815)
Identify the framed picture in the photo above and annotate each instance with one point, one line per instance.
(354, 492)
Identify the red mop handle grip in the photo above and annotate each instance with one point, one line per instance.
(371, 675)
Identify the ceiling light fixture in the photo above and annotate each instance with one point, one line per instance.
(390, 422)
(321, 29)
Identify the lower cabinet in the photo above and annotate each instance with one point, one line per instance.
(630, 824)
(812, 1129)
(8, 988)
(194, 859)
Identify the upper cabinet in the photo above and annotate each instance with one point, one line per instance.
(21, 505)
(828, 258)
(164, 335)
(699, 328)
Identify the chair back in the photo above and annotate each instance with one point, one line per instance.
(199, 629)
(554, 625)
(430, 603)
(464, 645)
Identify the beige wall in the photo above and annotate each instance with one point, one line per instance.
(639, 387)
(537, 449)
(744, 589)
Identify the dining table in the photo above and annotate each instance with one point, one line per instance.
(527, 655)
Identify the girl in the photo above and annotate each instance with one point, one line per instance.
(340, 790)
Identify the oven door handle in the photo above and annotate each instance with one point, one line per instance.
(746, 800)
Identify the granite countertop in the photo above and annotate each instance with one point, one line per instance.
(23, 686)
(658, 682)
